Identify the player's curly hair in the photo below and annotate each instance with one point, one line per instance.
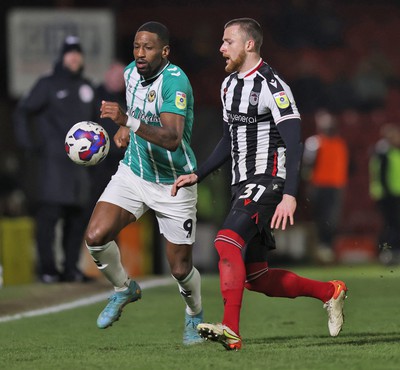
(158, 28)
(251, 28)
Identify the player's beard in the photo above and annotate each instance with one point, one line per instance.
(234, 65)
(148, 71)
(145, 71)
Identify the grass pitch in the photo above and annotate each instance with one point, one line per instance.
(278, 333)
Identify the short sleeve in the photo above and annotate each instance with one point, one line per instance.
(176, 91)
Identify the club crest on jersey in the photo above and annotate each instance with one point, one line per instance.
(281, 99)
(180, 100)
(151, 96)
(253, 99)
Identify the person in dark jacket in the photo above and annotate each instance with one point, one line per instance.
(55, 103)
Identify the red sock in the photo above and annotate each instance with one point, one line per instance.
(283, 283)
(232, 275)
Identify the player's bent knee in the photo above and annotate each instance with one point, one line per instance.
(180, 272)
(94, 236)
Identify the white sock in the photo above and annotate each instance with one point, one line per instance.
(108, 261)
(190, 289)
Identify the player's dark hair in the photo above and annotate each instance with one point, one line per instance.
(251, 28)
(158, 28)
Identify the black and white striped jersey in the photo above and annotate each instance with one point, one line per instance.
(254, 102)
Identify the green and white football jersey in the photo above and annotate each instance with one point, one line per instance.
(169, 91)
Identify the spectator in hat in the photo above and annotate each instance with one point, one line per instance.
(42, 118)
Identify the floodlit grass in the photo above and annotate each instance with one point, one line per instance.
(278, 333)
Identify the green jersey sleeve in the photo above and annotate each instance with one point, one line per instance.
(176, 91)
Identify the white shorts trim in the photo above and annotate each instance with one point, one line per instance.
(176, 216)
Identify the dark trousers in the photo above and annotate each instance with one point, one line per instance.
(74, 225)
(390, 234)
(326, 206)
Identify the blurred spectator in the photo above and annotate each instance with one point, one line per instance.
(307, 86)
(55, 103)
(384, 170)
(326, 168)
(371, 81)
(112, 89)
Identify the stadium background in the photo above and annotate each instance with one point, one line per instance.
(325, 50)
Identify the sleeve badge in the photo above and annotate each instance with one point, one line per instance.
(180, 100)
(281, 99)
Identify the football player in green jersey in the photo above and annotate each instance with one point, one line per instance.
(156, 128)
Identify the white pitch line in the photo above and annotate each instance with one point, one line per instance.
(81, 302)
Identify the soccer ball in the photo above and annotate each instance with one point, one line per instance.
(87, 143)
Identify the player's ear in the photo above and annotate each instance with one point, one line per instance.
(249, 45)
(165, 51)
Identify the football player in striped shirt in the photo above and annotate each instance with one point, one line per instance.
(262, 137)
(157, 126)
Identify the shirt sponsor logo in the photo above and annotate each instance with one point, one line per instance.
(148, 117)
(240, 118)
(281, 100)
(180, 100)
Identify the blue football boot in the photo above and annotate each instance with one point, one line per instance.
(190, 334)
(116, 303)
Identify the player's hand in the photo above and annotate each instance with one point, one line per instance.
(121, 138)
(182, 181)
(284, 211)
(114, 111)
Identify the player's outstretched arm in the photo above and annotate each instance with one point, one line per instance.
(182, 181)
(168, 135)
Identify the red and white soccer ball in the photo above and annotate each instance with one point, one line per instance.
(87, 143)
